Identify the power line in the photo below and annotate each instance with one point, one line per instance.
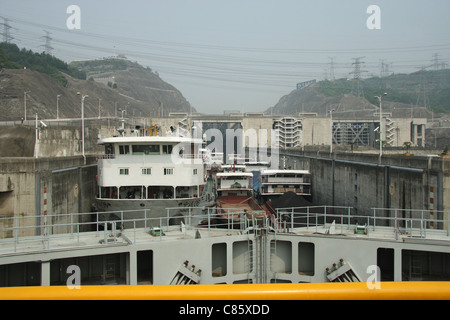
(130, 41)
(222, 64)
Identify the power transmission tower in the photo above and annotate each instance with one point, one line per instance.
(422, 93)
(436, 64)
(47, 47)
(331, 68)
(384, 69)
(357, 89)
(384, 73)
(6, 34)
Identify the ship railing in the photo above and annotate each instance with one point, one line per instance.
(107, 156)
(311, 217)
(397, 222)
(184, 156)
(192, 156)
(414, 222)
(49, 229)
(394, 223)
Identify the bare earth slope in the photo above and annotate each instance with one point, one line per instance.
(136, 88)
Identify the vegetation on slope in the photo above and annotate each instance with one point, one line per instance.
(430, 89)
(11, 57)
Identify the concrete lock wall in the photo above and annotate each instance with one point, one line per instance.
(52, 141)
(399, 182)
(67, 183)
(17, 189)
(68, 141)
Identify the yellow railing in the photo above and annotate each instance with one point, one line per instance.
(303, 291)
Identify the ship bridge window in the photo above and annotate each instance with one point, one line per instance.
(124, 149)
(167, 149)
(109, 149)
(145, 149)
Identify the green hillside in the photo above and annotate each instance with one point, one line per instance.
(429, 89)
(11, 57)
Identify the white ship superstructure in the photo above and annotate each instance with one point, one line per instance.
(275, 183)
(234, 183)
(143, 172)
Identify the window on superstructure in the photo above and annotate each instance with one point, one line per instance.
(124, 149)
(194, 172)
(139, 149)
(168, 171)
(167, 149)
(109, 149)
(146, 170)
(124, 171)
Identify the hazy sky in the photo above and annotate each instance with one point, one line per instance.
(239, 54)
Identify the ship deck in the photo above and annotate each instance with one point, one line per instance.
(335, 222)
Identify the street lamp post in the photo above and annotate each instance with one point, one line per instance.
(82, 123)
(331, 144)
(99, 108)
(380, 99)
(57, 106)
(25, 105)
(123, 120)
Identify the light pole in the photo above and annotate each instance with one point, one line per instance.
(380, 99)
(331, 144)
(82, 123)
(57, 106)
(123, 121)
(25, 104)
(99, 108)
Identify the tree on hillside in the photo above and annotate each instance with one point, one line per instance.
(14, 58)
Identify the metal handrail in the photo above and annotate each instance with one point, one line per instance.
(70, 225)
(373, 222)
